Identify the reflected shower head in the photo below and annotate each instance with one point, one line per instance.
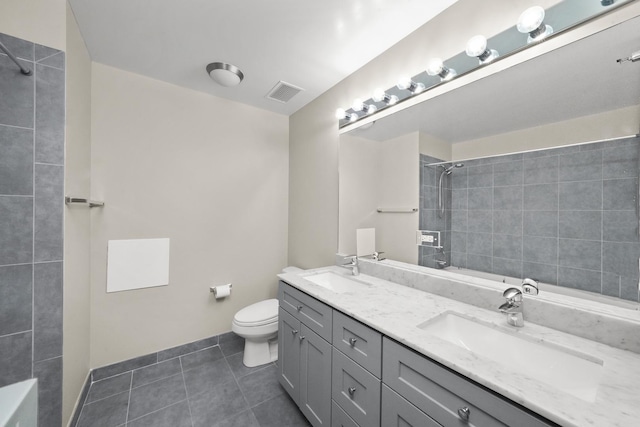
(450, 168)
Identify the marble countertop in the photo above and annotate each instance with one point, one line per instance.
(396, 311)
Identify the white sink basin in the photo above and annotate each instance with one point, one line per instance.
(572, 372)
(336, 282)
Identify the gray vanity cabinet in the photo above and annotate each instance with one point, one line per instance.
(304, 356)
(398, 412)
(446, 397)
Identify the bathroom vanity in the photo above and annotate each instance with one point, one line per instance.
(363, 351)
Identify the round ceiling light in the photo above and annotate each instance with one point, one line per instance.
(225, 74)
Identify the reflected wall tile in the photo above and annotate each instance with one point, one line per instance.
(580, 195)
(584, 254)
(480, 198)
(16, 226)
(480, 221)
(49, 115)
(480, 243)
(507, 198)
(49, 374)
(507, 222)
(620, 226)
(16, 161)
(509, 173)
(620, 194)
(541, 250)
(580, 225)
(16, 102)
(15, 298)
(586, 280)
(582, 166)
(47, 310)
(540, 197)
(49, 206)
(620, 161)
(507, 267)
(545, 273)
(507, 246)
(540, 223)
(541, 170)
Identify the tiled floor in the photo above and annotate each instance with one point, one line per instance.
(210, 387)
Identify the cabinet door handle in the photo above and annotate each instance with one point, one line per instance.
(295, 331)
(352, 341)
(464, 413)
(302, 337)
(299, 308)
(352, 390)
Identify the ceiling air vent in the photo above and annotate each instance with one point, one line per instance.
(283, 92)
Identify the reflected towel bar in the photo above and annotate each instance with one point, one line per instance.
(80, 201)
(397, 210)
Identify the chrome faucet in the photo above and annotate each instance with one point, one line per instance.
(513, 306)
(353, 264)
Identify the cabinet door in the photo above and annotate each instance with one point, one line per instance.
(315, 377)
(289, 354)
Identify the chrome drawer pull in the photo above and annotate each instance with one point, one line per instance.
(464, 413)
(352, 341)
(302, 337)
(352, 390)
(299, 308)
(294, 331)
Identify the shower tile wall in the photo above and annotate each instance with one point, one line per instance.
(31, 209)
(565, 216)
(429, 217)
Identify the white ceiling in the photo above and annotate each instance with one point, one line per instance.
(312, 45)
(577, 80)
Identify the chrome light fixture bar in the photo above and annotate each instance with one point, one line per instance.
(531, 22)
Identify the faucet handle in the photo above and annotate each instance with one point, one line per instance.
(512, 294)
(530, 286)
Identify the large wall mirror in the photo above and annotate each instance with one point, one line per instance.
(529, 172)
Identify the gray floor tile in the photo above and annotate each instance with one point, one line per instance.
(280, 411)
(16, 161)
(230, 343)
(156, 372)
(49, 374)
(187, 348)
(200, 358)
(176, 415)
(238, 368)
(121, 367)
(109, 412)
(261, 385)
(15, 298)
(219, 403)
(47, 310)
(156, 395)
(244, 419)
(15, 358)
(200, 379)
(108, 387)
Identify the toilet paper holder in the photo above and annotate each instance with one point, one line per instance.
(221, 291)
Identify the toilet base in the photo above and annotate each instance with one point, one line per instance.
(257, 353)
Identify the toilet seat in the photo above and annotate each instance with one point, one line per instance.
(258, 314)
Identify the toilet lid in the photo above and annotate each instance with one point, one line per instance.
(257, 314)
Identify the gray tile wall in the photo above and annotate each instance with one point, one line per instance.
(429, 214)
(32, 110)
(566, 216)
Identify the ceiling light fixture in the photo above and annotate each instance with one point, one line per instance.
(437, 68)
(477, 47)
(358, 106)
(341, 114)
(405, 83)
(532, 21)
(225, 74)
(379, 95)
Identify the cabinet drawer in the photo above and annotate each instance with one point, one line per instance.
(355, 390)
(359, 342)
(397, 412)
(441, 393)
(316, 315)
(339, 418)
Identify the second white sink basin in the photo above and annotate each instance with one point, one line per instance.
(572, 372)
(336, 282)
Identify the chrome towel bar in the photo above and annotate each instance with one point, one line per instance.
(80, 201)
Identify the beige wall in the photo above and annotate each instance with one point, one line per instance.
(313, 179)
(39, 21)
(611, 124)
(209, 174)
(77, 221)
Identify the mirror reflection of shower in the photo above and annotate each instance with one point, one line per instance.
(446, 171)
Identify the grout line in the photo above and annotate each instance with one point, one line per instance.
(129, 400)
(158, 410)
(16, 333)
(186, 392)
(33, 219)
(48, 164)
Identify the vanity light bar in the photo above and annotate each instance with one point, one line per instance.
(530, 22)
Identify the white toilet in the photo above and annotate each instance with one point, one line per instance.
(258, 325)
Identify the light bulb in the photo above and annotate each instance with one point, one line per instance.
(532, 21)
(435, 67)
(477, 47)
(392, 100)
(404, 83)
(371, 109)
(357, 105)
(341, 114)
(379, 95)
(353, 117)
